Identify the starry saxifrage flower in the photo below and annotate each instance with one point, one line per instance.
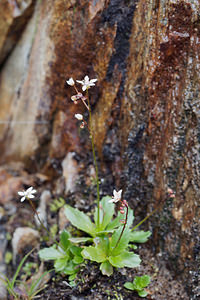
(28, 194)
(116, 196)
(87, 83)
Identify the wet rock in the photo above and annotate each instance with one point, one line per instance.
(70, 172)
(13, 18)
(62, 219)
(11, 182)
(42, 208)
(24, 238)
(59, 186)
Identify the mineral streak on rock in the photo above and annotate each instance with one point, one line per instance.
(162, 95)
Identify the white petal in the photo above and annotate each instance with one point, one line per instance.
(70, 81)
(115, 193)
(120, 193)
(84, 87)
(86, 78)
(22, 199)
(31, 196)
(29, 190)
(34, 191)
(111, 201)
(21, 193)
(80, 81)
(93, 80)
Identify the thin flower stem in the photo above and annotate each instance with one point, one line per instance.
(122, 229)
(148, 216)
(95, 161)
(85, 104)
(42, 224)
(75, 89)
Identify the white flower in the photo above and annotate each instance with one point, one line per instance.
(86, 83)
(78, 117)
(116, 196)
(70, 81)
(27, 194)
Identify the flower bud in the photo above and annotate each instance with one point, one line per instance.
(122, 221)
(71, 81)
(82, 125)
(78, 117)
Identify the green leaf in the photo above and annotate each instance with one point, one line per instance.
(76, 250)
(61, 263)
(125, 259)
(130, 217)
(78, 260)
(129, 286)
(80, 220)
(57, 204)
(102, 244)
(64, 239)
(70, 268)
(142, 293)
(50, 254)
(80, 240)
(94, 254)
(115, 223)
(106, 212)
(12, 283)
(106, 268)
(139, 236)
(141, 282)
(72, 277)
(123, 243)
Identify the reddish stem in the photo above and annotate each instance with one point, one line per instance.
(123, 226)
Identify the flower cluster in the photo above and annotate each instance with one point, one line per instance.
(86, 84)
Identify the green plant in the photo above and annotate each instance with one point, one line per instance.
(111, 249)
(13, 286)
(108, 239)
(111, 237)
(67, 259)
(138, 285)
(28, 269)
(57, 204)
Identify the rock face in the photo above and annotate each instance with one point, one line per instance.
(145, 55)
(13, 18)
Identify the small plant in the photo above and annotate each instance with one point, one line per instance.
(14, 286)
(111, 237)
(57, 204)
(28, 269)
(112, 240)
(107, 239)
(67, 259)
(138, 285)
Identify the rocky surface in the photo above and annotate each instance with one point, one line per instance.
(14, 16)
(145, 55)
